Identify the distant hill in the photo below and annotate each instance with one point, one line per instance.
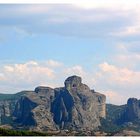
(10, 96)
(114, 113)
(123, 119)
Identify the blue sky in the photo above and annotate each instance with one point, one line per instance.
(43, 44)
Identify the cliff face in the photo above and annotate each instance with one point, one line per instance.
(124, 114)
(73, 106)
(6, 111)
(23, 111)
(133, 109)
(101, 103)
(7, 107)
(122, 118)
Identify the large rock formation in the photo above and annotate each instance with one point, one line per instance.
(133, 109)
(101, 103)
(6, 109)
(122, 118)
(73, 106)
(76, 106)
(124, 114)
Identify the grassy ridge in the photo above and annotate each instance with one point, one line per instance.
(10, 96)
(8, 132)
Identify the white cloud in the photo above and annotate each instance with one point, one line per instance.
(130, 61)
(76, 70)
(25, 75)
(108, 4)
(114, 97)
(22, 32)
(118, 83)
(88, 78)
(121, 76)
(28, 75)
(113, 81)
(97, 20)
(133, 30)
(2, 76)
(52, 63)
(126, 55)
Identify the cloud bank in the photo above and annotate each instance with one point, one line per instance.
(110, 80)
(116, 21)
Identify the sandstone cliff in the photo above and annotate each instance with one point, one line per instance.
(132, 109)
(73, 106)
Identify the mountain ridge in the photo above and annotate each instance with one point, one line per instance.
(74, 107)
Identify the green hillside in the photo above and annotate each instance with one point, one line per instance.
(10, 96)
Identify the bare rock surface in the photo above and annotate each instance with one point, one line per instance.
(74, 106)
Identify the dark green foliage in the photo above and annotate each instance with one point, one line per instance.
(10, 96)
(135, 125)
(109, 127)
(115, 113)
(113, 122)
(7, 132)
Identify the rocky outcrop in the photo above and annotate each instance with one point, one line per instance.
(124, 114)
(23, 111)
(73, 106)
(6, 111)
(133, 109)
(79, 108)
(101, 103)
